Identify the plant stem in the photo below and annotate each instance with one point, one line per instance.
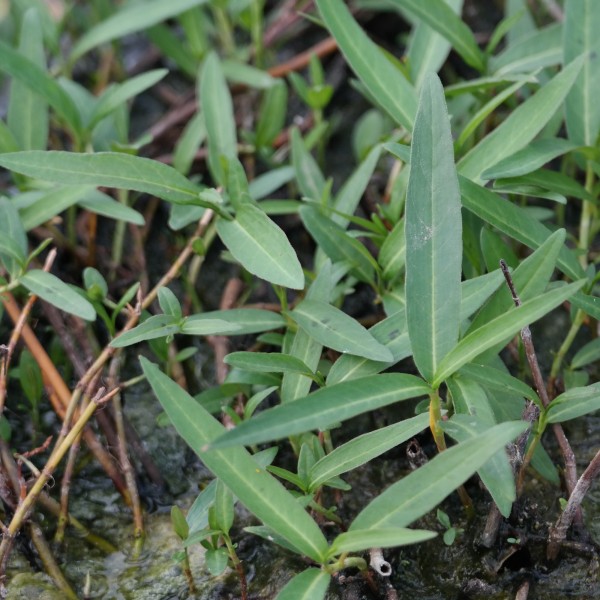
(559, 531)
(564, 348)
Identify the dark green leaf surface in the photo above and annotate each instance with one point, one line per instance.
(530, 158)
(355, 541)
(521, 126)
(324, 407)
(582, 113)
(364, 448)
(574, 403)
(440, 17)
(110, 169)
(261, 247)
(267, 362)
(245, 320)
(51, 289)
(433, 235)
(217, 108)
(421, 491)
(515, 222)
(311, 584)
(129, 19)
(500, 328)
(27, 115)
(261, 493)
(383, 80)
(335, 329)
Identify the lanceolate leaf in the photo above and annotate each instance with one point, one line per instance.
(131, 18)
(261, 493)
(35, 78)
(428, 50)
(27, 110)
(267, 362)
(433, 235)
(311, 584)
(581, 27)
(355, 541)
(500, 328)
(439, 16)
(217, 107)
(261, 247)
(574, 403)
(521, 126)
(245, 320)
(513, 221)
(364, 448)
(110, 169)
(496, 474)
(51, 289)
(418, 493)
(383, 80)
(154, 327)
(308, 174)
(335, 329)
(325, 407)
(530, 158)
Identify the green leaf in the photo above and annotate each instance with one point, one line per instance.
(27, 110)
(574, 403)
(267, 362)
(335, 329)
(389, 537)
(588, 304)
(433, 235)
(496, 474)
(258, 491)
(169, 303)
(311, 584)
(304, 347)
(13, 233)
(261, 247)
(36, 79)
(51, 289)
(390, 332)
(152, 328)
(217, 107)
(102, 204)
(392, 255)
(587, 354)
(530, 158)
(180, 525)
(427, 49)
(514, 222)
(421, 491)
(501, 328)
(245, 321)
(540, 48)
(475, 291)
(383, 80)
(119, 94)
(521, 126)
(352, 191)
(582, 23)
(440, 16)
(129, 19)
(364, 448)
(308, 174)
(551, 180)
(495, 379)
(337, 244)
(324, 407)
(110, 169)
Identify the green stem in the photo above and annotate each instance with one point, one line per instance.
(568, 341)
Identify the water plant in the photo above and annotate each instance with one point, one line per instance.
(467, 244)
